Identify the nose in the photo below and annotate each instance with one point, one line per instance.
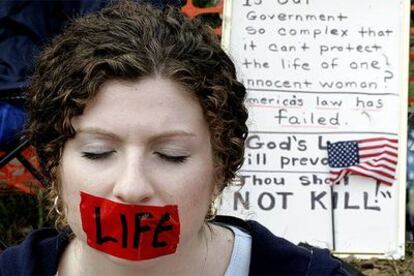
(133, 185)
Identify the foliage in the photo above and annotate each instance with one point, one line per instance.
(204, 3)
(20, 214)
(214, 20)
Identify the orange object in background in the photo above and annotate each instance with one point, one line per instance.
(14, 177)
(192, 11)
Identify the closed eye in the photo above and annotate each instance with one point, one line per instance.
(97, 155)
(172, 158)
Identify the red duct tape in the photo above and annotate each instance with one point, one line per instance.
(132, 232)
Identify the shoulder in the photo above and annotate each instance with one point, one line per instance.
(37, 254)
(274, 255)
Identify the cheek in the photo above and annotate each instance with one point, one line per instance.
(194, 183)
(71, 200)
(194, 199)
(72, 180)
(198, 195)
(68, 183)
(76, 175)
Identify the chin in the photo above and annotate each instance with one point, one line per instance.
(134, 263)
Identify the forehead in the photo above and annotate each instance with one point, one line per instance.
(150, 106)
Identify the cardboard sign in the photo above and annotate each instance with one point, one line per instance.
(320, 71)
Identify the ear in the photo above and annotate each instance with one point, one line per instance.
(215, 192)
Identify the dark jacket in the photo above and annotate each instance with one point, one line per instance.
(40, 252)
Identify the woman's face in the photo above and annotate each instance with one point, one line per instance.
(141, 143)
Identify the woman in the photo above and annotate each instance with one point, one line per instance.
(139, 124)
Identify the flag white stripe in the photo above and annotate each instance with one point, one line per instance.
(372, 174)
(379, 157)
(341, 174)
(377, 147)
(390, 170)
(378, 151)
(361, 171)
(371, 168)
(381, 162)
(377, 143)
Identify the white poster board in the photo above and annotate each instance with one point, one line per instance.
(318, 71)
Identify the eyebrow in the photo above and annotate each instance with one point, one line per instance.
(97, 131)
(103, 132)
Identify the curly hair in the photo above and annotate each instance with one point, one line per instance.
(130, 41)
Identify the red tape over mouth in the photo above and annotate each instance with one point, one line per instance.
(132, 232)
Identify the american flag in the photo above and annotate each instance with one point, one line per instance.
(374, 157)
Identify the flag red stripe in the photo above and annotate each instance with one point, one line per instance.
(365, 175)
(378, 154)
(341, 174)
(379, 159)
(378, 139)
(361, 168)
(373, 164)
(373, 174)
(356, 171)
(372, 169)
(378, 147)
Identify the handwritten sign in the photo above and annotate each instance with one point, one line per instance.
(319, 71)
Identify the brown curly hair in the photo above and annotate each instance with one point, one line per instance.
(129, 41)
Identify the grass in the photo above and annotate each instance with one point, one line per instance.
(387, 267)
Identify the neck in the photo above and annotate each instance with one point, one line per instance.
(189, 259)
